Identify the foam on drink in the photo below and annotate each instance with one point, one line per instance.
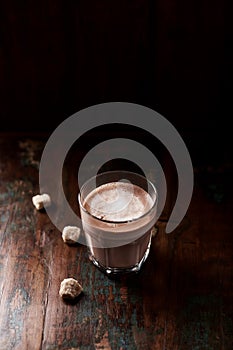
(118, 201)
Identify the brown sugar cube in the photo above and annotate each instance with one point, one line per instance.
(70, 234)
(70, 289)
(41, 201)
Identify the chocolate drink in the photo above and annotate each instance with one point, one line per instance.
(117, 230)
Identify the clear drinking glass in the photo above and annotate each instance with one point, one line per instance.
(118, 210)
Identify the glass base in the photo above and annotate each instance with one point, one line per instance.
(121, 271)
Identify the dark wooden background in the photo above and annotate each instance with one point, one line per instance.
(181, 300)
(57, 57)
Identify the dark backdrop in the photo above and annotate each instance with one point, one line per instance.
(57, 57)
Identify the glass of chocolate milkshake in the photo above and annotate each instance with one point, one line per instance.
(118, 210)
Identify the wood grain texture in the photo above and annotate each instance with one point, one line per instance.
(182, 299)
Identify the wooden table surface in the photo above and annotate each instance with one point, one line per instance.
(182, 298)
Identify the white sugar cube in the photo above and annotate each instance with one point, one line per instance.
(71, 234)
(41, 201)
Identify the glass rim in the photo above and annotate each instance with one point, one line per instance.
(122, 221)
